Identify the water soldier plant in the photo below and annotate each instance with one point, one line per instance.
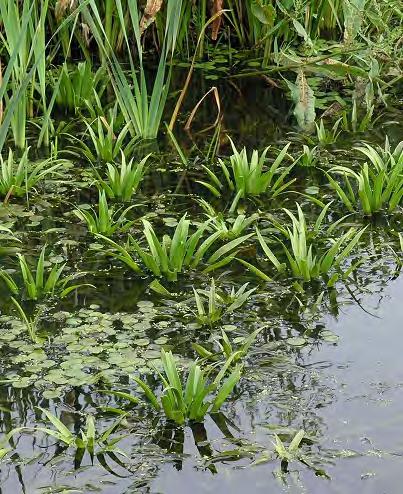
(250, 176)
(42, 283)
(225, 349)
(218, 304)
(379, 183)
(76, 87)
(326, 136)
(123, 181)
(19, 179)
(106, 141)
(88, 439)
(194, 399)
(308, 256)
(105, 221)
(230, 228)
(174, 255)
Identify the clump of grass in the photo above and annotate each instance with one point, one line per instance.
(76, 86)
(142, 109)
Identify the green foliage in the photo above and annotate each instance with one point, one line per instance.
(308, 157)
(123, 181)
(353, 13)
(89, 439)
(292, 451)
(23, 39)
(7, 239)
(226, 349)
(18, 179)
(230, 228)
(308, 256)
(249, 176)
(326, 136)
(189, 401)
(175, 254)
(106, 221)
(351, 121)
(39, 283)
(330, 49)
(78, 86)
(106, 145)
(379, 183)
(218, 305)
(142, 111)
(30, 323)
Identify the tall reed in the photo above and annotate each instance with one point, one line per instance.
(141, 108)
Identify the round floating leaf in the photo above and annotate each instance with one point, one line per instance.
(52, 393)
(296, 341)
(329, 336)
(312, 190)
(141, 342)
(162, 340)
(72, 321)
(229, 327)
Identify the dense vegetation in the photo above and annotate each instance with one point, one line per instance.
(141, 234)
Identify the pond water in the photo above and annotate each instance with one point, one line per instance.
(335, 372)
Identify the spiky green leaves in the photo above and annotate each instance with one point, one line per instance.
(170, 256)
(41, 283)
(376, 186)
(106, 220)
(197, 397)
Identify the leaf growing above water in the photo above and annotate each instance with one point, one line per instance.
(304, 99)
(266, 14)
